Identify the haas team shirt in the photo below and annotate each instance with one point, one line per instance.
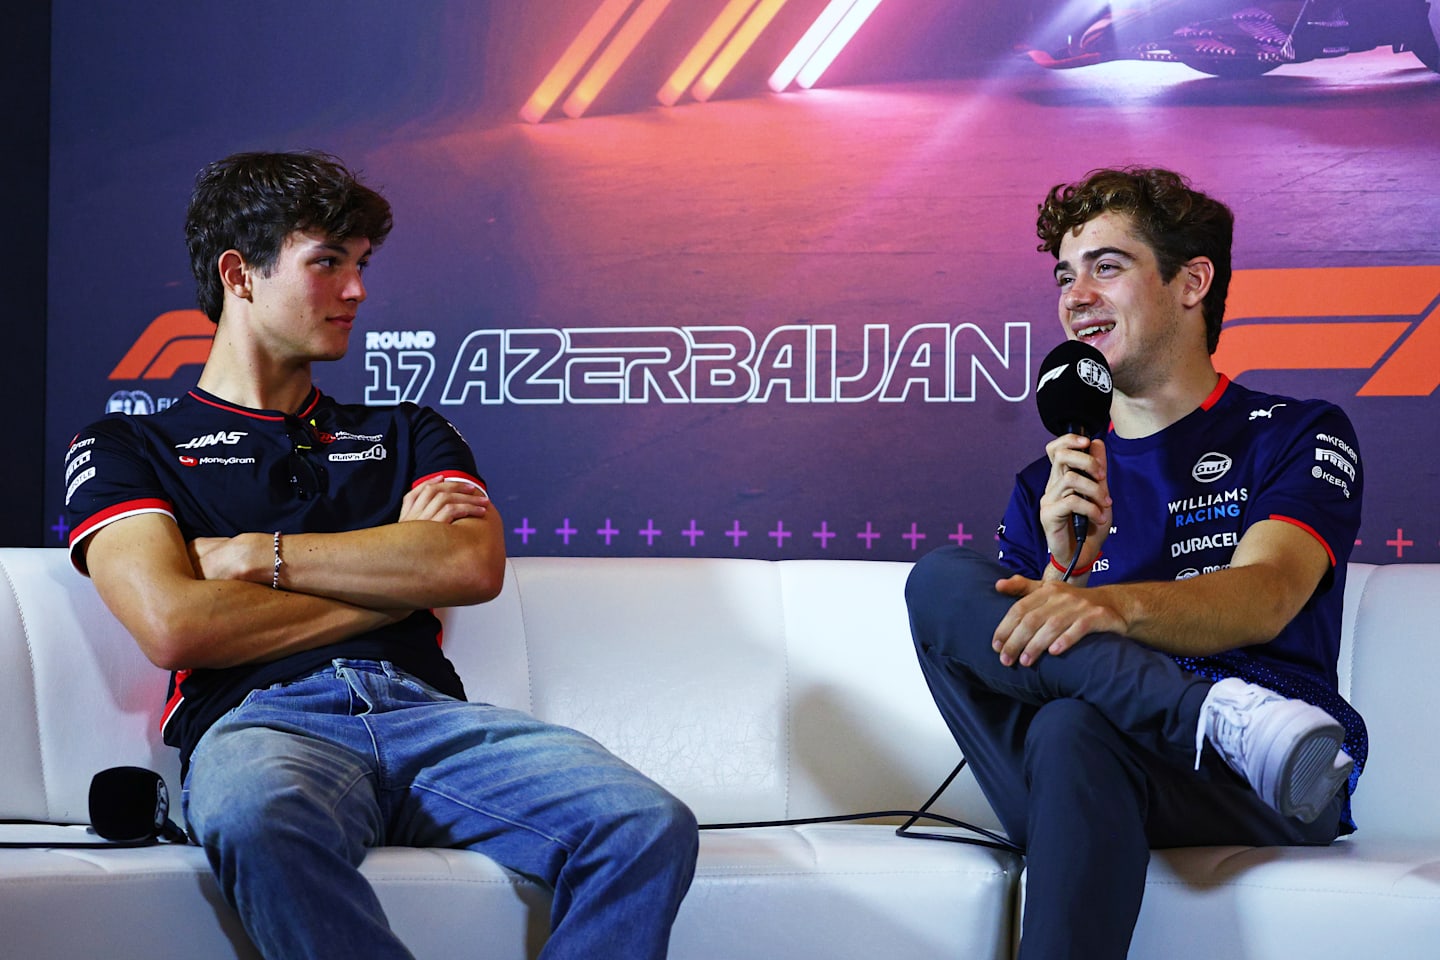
(219, 470)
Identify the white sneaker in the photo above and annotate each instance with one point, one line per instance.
(1288, 750)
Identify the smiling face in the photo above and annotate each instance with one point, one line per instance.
(1113, 297)
(304, 307)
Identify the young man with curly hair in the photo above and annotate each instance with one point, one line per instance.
(1180, 689)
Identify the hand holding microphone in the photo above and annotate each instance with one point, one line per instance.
(1073, 395)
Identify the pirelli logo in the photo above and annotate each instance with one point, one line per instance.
(1382, 319)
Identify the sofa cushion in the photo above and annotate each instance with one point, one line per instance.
(753, 690)
(1361, 897)
(845, 893)
(1394, 669)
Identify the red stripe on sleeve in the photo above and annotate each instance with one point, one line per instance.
(109, 515)
(456, 475)
(1310, 530)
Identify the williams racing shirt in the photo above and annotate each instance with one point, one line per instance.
(1185, 496)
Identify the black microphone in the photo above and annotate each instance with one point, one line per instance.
(132, 805)
(1073, 394)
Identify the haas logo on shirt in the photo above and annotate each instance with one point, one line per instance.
(230, 437)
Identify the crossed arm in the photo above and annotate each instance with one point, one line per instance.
(209, 603)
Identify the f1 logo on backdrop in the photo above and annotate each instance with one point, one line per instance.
(1383, 319)
(173, 340)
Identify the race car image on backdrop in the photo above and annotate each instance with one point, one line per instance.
(1227, 38)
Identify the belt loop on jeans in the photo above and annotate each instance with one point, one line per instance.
(367, 666)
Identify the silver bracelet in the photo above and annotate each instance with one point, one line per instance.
(275, 571)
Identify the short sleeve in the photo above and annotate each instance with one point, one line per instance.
(1315, 481)
(107, 478)
(441, 453)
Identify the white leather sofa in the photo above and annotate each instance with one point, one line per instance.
(754, 691)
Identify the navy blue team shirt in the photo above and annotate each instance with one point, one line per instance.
(218, 470)
(1186, 495)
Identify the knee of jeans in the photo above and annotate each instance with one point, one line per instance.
(240, 787)
(230, 797)
(227, 814)
(267, 816)
(673, 820)
(662, 822)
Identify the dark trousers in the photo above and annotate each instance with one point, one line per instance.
(1087, 759)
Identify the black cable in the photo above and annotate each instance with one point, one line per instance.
(993, 841)
(1080, 538)
(99, 844)
(1065, 577)
(77, 845)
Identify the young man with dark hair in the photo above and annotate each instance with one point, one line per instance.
(281, 552)
(1134, 706)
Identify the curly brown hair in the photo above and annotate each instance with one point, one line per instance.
(1176, 221)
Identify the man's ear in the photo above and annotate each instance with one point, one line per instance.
(1197, 275)
(234, 274)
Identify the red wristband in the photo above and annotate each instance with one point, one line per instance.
(1076, 573)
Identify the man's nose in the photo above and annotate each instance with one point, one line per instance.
(1079, 293)
(355, 289)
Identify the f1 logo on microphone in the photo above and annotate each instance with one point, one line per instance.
(1384, 319)
(1049, 375)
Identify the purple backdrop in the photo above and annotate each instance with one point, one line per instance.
(767, 325)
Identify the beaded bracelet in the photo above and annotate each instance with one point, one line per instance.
(275, 571)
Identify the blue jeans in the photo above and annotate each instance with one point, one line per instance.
(1087, 758)
(287, 791)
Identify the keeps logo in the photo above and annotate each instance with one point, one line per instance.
(1382, 319)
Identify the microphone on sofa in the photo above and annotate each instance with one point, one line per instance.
(132, 805)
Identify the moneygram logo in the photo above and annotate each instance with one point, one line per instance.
(1382, 319)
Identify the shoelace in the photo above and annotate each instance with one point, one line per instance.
(1224, 720)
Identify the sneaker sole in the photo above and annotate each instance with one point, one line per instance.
(1313, 773)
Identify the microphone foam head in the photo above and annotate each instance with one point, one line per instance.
(1073, 391)
(128, 804)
